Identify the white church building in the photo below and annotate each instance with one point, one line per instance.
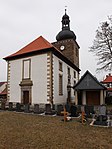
(44, 72)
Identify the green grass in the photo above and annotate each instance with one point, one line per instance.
(26, 131)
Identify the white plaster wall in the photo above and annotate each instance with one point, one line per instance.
(15, 78)
(39, 78)
(57, 98)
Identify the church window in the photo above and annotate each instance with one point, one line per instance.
(60, 66)
(68, 71)
(74, 85)
(26, 69)
(74, 74)
(60, 84)
(69, 76)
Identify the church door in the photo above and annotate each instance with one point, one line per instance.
(25, 97)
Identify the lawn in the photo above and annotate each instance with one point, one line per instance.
(29, 131)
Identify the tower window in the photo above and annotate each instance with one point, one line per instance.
(60, 66)
(74, 74)
(74, 85)
(68, 71)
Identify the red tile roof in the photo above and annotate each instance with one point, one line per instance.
(38, 44)
(109, 89)
(108, 79)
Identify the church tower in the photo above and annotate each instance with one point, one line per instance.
(66, 41)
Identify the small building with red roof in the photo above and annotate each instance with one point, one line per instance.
(107, 82)
(43, 72)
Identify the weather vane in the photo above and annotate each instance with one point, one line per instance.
(65, 9)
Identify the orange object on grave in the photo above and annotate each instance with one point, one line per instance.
(65, 114)
(83, 117)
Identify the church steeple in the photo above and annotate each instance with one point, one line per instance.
(66, 41)
(66, 33)
(65, 22)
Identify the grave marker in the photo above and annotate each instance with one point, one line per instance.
(59, 109)
(48, 109)
(3, 105)
(73, 111)
(27, 108)
(18, 107)
(10, 106)
(65, 114)
(102, 110)
(36, 108)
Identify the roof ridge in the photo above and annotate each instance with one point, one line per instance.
(94, 78)
(37, 44)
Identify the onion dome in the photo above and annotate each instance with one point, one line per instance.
(66, 33)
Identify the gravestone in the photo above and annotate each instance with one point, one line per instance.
(96, 110)
(73, 111)
(78, 108)
(59, 109)
(18, 107)
(89, 110)
(48, 110)
(27, 108)
(67, 107)
(101, 120)
(102, 110)
(36, 109)
(53, 107)
(82, 108)
(10, 106)
(109, 121)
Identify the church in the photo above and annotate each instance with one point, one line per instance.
(44, 72)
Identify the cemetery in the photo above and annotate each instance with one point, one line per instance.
(97, 115)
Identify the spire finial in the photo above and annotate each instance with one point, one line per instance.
(65, 9)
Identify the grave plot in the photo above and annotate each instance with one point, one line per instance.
(27, 108)
(74, 111)
(11, 106)
(59, 110)
(48, 110)
(102, 121)
(19, 107)
(101, 118)
(36, 109)
(66, 115)
(89, 110)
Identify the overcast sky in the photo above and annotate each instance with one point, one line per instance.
(22, 21)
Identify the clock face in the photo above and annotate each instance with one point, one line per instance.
(62, 48)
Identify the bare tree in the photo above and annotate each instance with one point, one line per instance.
(102, 45)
